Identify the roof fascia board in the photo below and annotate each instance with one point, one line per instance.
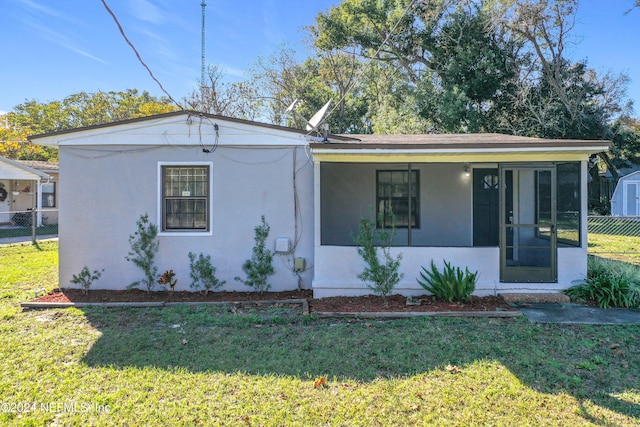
(177, 130)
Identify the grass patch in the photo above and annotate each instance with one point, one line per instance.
(25, 269)
(203, 365)
(616, 247)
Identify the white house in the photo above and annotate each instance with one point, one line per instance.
(512, 208)
(25, 185)
(625, 200)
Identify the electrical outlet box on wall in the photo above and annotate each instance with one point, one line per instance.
(299, 264)
(283, 244)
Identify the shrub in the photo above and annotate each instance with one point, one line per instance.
(167, 279)
(85, 278)
(609, 284)
(203, 274)
(144, 247)
(381, 276)
(259, 267)
(452, 285)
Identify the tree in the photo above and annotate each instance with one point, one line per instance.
(77, 110)
(215, 96)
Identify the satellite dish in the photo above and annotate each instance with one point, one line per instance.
(316, 120)
(292, 107)
(317, 117)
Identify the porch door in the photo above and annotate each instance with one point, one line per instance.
(528, 224)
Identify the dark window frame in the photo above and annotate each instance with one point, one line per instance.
(412, 200)
(192, 202)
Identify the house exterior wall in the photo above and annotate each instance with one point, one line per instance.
(105, 190)
(337, 269)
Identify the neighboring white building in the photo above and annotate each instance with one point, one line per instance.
(512, 208)
(26, 185)
(625, 200)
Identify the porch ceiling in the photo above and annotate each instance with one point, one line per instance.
(454, 148)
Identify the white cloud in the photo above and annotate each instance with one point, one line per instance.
(146, 11)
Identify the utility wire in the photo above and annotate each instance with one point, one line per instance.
(363, 69)
(138, 55)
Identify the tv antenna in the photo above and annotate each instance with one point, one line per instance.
(315, 124)
(204, 5)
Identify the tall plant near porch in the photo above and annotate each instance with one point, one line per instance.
(381, 273)
(144, 246)
(260, 266)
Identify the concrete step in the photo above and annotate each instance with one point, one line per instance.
(532, 298)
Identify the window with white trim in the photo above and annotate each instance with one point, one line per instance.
(48, 199)
(185, 197)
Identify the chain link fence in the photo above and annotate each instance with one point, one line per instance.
(30, 225)
(615, 237)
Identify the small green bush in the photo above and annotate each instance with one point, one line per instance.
(452, 285)
(259, 267)
(203, 274)
(144, 246)
(85, 278)
(380, 275)
(609, 283)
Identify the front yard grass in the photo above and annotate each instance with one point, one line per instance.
(620, 248)
(206, 366)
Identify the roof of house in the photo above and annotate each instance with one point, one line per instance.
(18, 165)
(178, 113)
(40, 165)
(452, 141)
(474, 147)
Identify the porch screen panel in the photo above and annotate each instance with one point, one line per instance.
(568, 205)
(396, 207)
(347, 193)
(185, 198)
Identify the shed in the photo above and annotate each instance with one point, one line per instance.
(626, 197)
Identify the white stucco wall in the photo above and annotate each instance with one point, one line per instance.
(337, 268)
(105, 189)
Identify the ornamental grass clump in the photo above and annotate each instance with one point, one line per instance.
(609, 283)
(259, 267)
(203, 274)
(450, 285)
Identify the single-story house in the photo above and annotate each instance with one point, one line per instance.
(512, 208)
(625, 200)
(27, 185)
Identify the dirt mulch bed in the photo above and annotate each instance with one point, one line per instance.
(369, 303)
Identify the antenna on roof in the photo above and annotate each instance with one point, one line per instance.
(315, 124)
(203, 4)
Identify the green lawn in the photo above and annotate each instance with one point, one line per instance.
(206, 366)
(621, 248)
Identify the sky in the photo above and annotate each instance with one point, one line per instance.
(50, 49)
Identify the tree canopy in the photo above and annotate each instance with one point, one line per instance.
(77, 110)
(397, 66)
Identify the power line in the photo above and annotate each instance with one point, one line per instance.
(138, 55)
